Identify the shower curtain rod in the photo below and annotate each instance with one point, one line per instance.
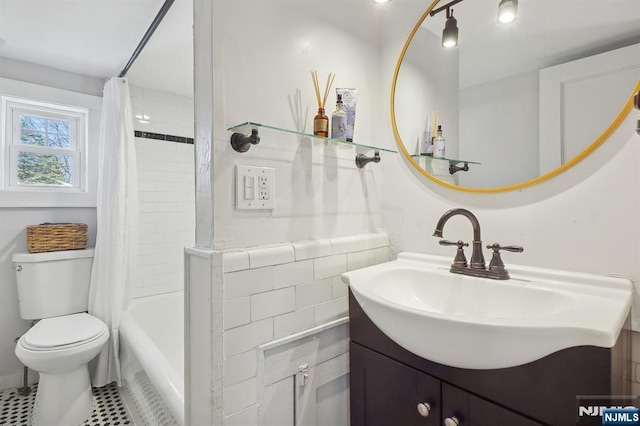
(156, 22)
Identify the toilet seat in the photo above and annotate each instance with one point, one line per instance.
(63, 332)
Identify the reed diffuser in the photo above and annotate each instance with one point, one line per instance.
(321, 121)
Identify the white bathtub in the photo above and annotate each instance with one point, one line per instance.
(152, 358)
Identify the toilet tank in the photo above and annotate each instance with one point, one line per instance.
(53, 284)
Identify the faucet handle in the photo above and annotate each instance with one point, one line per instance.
(460, 260)
(458, 243)
(497, 247)
(496, 265)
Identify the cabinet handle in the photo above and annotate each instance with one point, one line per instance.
(424, 408)
(451, 421)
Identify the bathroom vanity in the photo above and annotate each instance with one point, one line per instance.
(388, 382)
(431, 347)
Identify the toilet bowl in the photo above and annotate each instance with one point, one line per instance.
(60, 348)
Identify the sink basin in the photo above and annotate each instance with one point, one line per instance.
(478, 323)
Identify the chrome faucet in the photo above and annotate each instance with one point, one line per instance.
(477, 265)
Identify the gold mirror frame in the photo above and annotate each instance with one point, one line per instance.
(594, 145)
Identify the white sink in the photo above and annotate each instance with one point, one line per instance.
(479, 323)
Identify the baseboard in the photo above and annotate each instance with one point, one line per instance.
(15, 380)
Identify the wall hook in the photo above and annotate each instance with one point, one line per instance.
(241, 142)
(362, 160)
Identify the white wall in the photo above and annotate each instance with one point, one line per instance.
(29, 80)
(427, 82)
(568, 223)
(163, 112)
(262, 74)
(259, 72)
(166, 183)
(13, 239)
(583, 220)
(166, 190)
(499, 128)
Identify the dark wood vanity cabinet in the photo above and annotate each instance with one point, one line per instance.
(386, 392)
(387, 383)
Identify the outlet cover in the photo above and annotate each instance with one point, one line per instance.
(255, 188)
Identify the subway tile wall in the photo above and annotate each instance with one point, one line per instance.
(276, 291)
(166, 190)
(161, 112)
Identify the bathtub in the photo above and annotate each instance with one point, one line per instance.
(152, 359)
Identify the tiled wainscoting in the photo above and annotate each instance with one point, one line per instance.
(276, 291)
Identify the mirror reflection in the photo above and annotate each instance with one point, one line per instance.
(516, 100)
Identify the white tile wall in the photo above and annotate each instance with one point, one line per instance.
(246, 337)
(240, 367)
(167, 214)
(271, 255)
(273, 303)
(239, 396)
(290, 288)
(166, 190)
(247, 282)
(314, 293)
(160, 112)
(288, 324)
(326, 267)
(236, 312)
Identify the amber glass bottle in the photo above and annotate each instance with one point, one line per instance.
(321, 124)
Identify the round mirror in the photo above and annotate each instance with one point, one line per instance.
(516, 103)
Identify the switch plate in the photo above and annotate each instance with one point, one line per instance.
(255, 188)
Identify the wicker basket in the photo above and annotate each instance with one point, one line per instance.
(56, 237)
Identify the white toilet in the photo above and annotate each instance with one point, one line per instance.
(54, 288)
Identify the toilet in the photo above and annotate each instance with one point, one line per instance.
(54, 289)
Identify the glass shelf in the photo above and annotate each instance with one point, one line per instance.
(450, 160)
(245, 128)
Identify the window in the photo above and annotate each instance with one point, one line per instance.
(44, 146)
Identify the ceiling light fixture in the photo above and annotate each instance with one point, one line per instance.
(381, 1)
(450, 32)
(507, 11)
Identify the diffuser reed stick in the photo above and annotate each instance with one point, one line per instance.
(321, 121)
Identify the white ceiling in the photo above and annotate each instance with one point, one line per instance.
(546, 33)
(97, 38)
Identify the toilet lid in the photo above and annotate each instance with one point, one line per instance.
(66, 330)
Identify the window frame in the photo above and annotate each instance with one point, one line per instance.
(12, 109)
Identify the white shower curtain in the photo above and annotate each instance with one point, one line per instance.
(117, 220)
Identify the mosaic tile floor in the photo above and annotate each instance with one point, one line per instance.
(108, 407)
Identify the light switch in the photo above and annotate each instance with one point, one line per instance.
(249, 188)
(255, 188)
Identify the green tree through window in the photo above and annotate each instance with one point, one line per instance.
(44, 169)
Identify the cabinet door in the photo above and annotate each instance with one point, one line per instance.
(385, 392)
(469, 410)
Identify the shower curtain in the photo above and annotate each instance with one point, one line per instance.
(117, 221)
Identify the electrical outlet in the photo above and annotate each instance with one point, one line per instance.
(255, 188)
(263, 188)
